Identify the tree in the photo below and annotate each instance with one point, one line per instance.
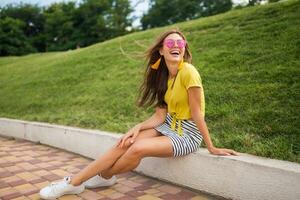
(165, 12)
(254, 2)
(63, 26)
(59, 26)
(12, 38)
(118, 19)
(213, 7)
(160, 13)
(33, 19)
(90, 22)
(96, 21)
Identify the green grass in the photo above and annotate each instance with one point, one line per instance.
(248, 60)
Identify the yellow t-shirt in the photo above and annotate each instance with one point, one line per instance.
(176, 97)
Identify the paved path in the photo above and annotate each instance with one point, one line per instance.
(26, 167)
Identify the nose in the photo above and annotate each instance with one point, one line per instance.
(175, 44)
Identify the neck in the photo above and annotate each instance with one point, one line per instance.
(173, 68)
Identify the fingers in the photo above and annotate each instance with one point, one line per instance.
(232, 152)
(119, 142)
(132, 134)
(133, 137)
(226, 152)
(223, 153)
(123, 140)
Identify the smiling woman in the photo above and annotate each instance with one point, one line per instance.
(173, 85)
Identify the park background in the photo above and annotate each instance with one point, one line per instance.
(248, 58)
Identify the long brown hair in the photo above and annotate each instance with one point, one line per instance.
(154, 86)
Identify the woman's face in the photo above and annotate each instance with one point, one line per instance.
(173, 48)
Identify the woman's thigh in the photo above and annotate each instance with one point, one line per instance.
(148, 133)
(160, 146)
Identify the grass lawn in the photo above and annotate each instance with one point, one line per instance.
(249, 61)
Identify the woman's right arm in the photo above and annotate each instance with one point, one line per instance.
(156, 119)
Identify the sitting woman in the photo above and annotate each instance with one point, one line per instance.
(173, 85)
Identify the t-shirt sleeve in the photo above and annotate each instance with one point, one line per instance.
(191, 78)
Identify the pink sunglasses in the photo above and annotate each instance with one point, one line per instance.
(170, 43)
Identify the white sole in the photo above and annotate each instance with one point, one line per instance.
(54, 198)
(99, 185)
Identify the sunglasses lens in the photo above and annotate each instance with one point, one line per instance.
(170, 43)
(181, 43)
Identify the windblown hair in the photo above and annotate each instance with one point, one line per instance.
(154, 86)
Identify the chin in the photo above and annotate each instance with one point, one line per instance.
(174, 59)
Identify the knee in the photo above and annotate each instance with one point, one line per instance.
(127, 144)
(136, 150)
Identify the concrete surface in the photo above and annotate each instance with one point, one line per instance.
(237, 177)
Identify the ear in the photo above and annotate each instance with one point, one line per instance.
(160, 52)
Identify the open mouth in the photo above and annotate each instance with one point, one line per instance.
(175, 53)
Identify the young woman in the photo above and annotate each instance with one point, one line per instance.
(173, 85)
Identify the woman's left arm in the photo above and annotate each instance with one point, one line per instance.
(194, 99)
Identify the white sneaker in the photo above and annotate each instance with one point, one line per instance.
(55, 190)
(98, 181)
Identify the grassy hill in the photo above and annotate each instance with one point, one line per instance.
(249, 61)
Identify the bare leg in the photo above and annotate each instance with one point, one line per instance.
(108, 159)
(158, 147)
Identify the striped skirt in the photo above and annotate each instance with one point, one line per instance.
(185, 144)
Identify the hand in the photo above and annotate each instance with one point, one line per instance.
(132, 134)
(222, 152)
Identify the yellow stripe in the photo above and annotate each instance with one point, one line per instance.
(179, 129)
(173, 125)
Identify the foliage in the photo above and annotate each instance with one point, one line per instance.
(64, 26)
(165, 12)
(33, 24)
(12, 38)
(257, 2)
(59, 26)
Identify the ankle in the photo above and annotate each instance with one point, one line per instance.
(105, 176)
(75, 182)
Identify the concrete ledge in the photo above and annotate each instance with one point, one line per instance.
(244, 177)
